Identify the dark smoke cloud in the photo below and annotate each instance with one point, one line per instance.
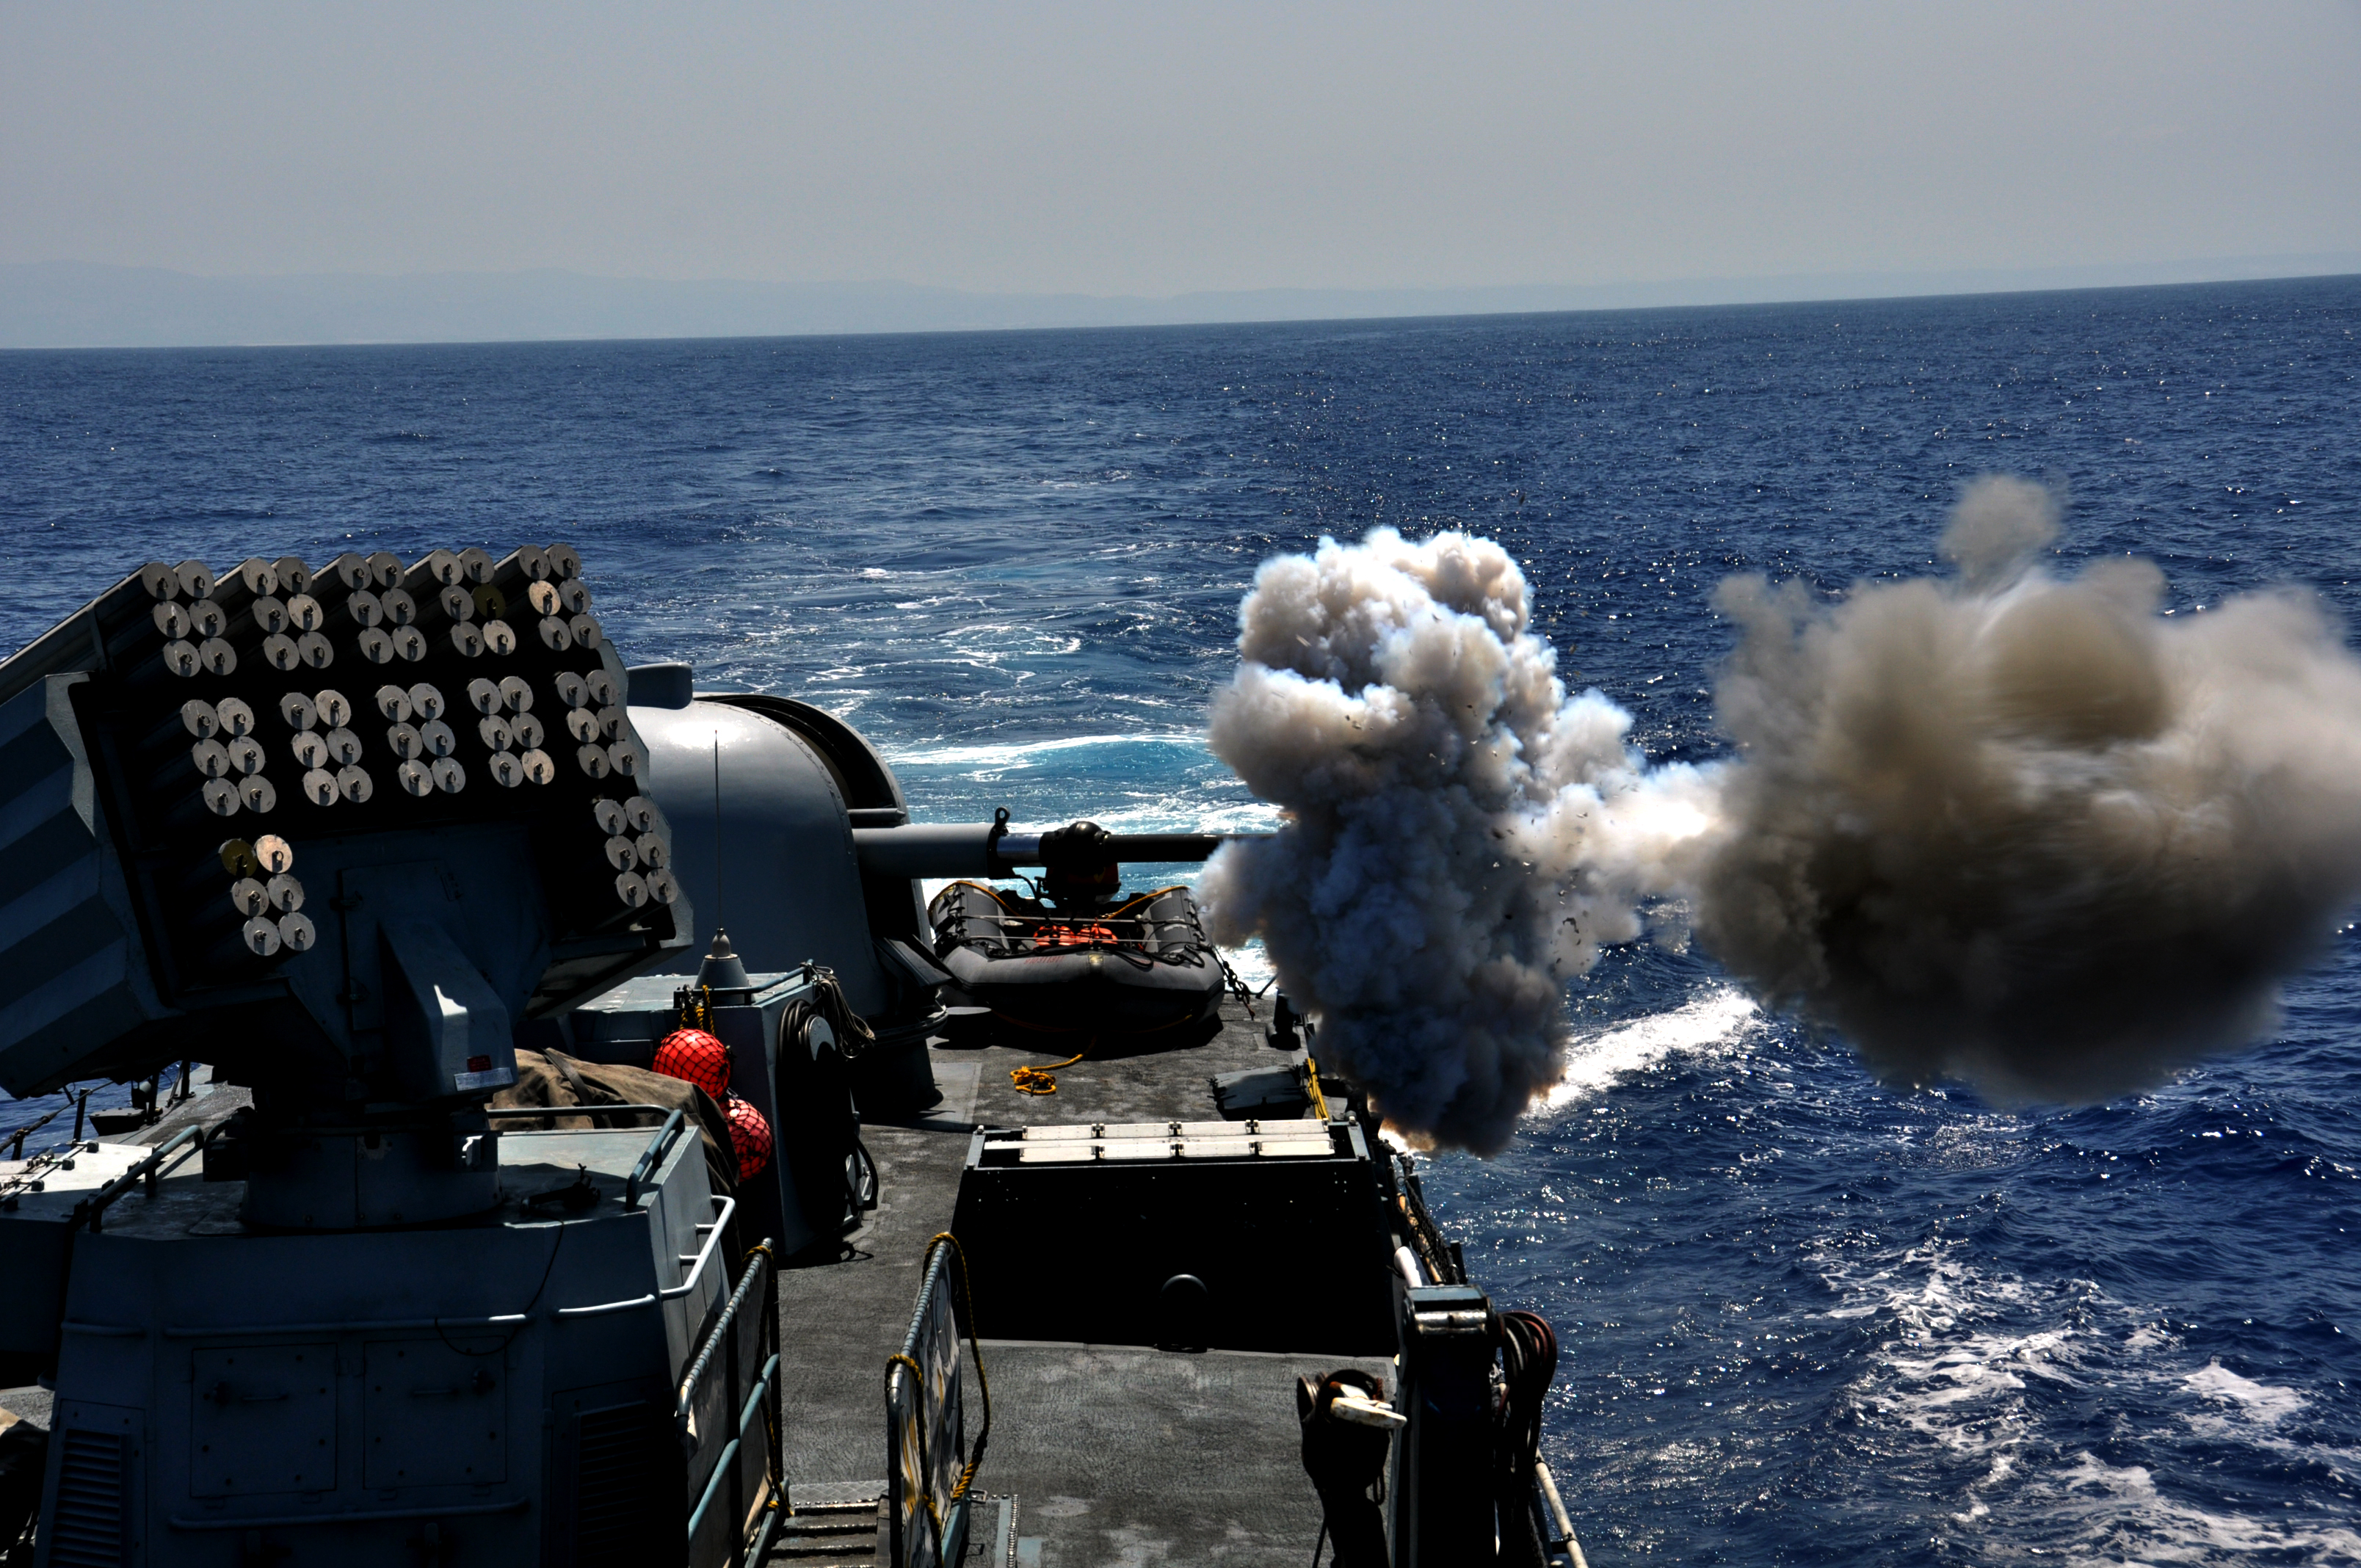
(1460, 836)
(2000, 827)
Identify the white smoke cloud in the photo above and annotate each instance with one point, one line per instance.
(2002, 828)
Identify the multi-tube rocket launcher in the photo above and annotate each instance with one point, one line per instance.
(346, 835)
(336, 832)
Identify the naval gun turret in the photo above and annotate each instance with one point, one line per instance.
(342, 834)
(792, 832)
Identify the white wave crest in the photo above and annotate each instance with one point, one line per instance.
(2258, 1401)
(2125, 1517)
(1963, 1354)
(1718, 1020)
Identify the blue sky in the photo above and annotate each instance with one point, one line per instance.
(1111, 148)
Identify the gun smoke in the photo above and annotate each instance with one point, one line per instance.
(1461, 836)
(1999, 827)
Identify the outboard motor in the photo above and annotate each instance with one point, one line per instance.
(1080, 868)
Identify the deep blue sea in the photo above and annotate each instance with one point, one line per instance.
(1805, 1319)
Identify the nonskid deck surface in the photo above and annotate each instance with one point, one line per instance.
(1116, 1453)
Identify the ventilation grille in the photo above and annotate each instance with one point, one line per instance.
(87, 1530)
(612, 1471)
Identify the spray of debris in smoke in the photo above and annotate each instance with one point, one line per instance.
(1998, 826)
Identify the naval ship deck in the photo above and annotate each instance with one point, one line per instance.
(1114, 1454)
(1103, 1453)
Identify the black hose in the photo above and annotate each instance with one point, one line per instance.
(1528, 1363)
(823, 1149)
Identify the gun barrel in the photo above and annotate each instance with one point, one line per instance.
(969, 848)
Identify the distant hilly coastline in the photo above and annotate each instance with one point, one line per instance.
(71, 304)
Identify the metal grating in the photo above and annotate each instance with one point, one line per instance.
(831, 1534)
(611, 1468)
(89, 1526)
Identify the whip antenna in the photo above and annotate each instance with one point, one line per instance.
(716, 831)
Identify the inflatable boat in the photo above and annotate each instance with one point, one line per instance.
(1135, 965)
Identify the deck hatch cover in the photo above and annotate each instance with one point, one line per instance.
(263, 1420)
(1147, 1141)
(434, 1415)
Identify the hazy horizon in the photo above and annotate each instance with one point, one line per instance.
(1067, 150)
(64, 306)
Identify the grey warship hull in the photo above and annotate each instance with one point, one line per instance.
(330, 1306)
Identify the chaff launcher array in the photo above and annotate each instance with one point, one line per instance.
(197, 740)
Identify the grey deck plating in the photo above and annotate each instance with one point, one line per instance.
(1116, 1453)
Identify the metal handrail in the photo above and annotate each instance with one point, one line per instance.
(1561, 1530)
(721, 1348)
(348, 1326)
(705, 1253)
(704, 1256)
(724, 1467)
(605, 1308)
(653, 1156)
(713, 1340)
(148, 1171)
(755, 1395)
(600, 1110)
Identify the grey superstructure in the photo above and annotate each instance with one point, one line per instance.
(386, 845)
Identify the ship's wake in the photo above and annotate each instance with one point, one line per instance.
(1999, 827)
(1720, 1020)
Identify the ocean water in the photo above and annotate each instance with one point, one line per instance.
(1804, 1319)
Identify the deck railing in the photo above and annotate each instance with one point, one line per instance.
(928, 1465)
(738, 1491)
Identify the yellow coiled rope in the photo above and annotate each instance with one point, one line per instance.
(1042, 1079)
